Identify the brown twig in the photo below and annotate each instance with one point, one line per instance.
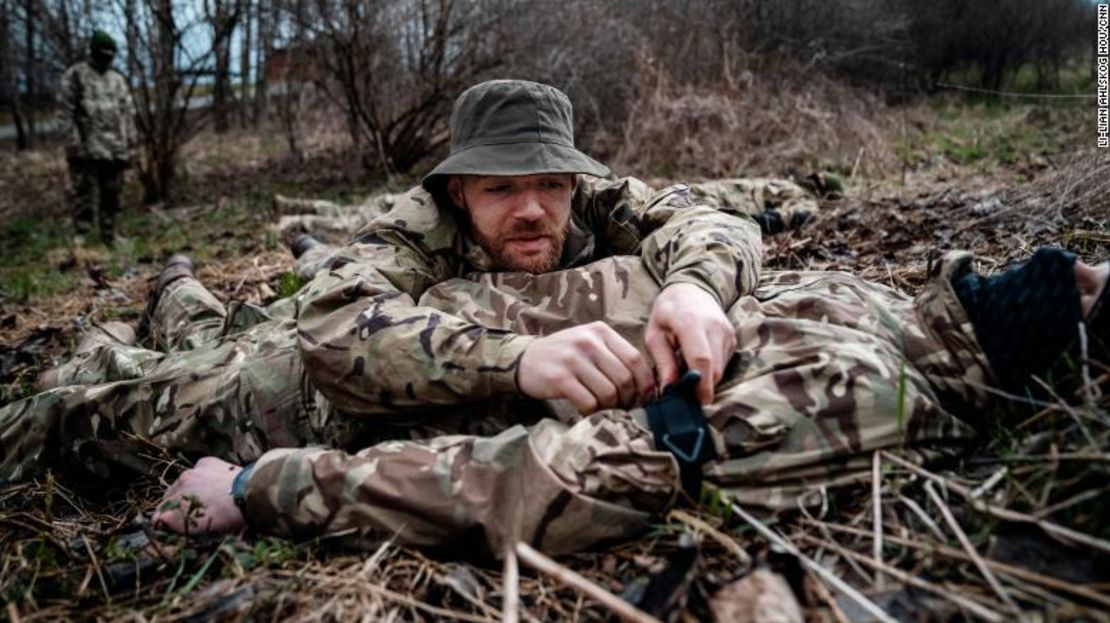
(974, 607)
(1018, 572)
(1003, 513)
(972, 553)
(622, 609)
(96, 566)
(700, 526)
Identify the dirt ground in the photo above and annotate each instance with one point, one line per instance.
(1016, 530)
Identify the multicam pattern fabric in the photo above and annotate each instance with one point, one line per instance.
(754, 197)
(824, 374)
(366, 302)
(405, 374)
(96, 114)
(785, 200)
(234, 395)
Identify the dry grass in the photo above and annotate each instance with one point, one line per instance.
(778, 120)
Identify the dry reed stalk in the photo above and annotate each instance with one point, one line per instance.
(622, 609)
(1017, 572)
(1004, 513)
(511, 592)
(877, 514)
(701, 526)
(972, 553)
(828, 576)
(974, 607)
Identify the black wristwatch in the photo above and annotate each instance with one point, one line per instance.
(239, 485)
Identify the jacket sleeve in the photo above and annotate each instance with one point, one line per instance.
(68, 103)
(680, 239)
(371, 349)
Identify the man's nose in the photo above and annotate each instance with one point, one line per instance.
(529, 207)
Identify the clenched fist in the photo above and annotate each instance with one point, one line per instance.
(590, 365)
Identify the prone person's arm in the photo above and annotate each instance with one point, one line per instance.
(371, 349)
(704, 257)
(689, 242)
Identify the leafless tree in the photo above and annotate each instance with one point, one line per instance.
(394, 66)
(246, 13)
(9, 89)
(165, 73)
(223, 15)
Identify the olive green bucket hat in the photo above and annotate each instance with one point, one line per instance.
(512, 127)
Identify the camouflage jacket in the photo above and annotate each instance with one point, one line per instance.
(96, 114)
(371, 348)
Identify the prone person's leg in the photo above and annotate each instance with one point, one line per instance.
(233, 400)
(311, 256)
(182, 314)
(106, 353)
(556, 487)
(776, 204)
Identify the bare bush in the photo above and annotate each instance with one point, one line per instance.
(395, 66)
(760, 124)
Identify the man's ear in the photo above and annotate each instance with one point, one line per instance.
(455, 191)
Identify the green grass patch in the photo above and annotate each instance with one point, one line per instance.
(991, 133)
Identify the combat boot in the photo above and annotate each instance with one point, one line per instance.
(178, 266)
(302, 243)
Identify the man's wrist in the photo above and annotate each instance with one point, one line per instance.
(505, 376)
(697, 283)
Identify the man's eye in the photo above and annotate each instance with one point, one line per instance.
(498, 189)
(554, 185)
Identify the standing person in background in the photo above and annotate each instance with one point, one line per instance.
(97, 119)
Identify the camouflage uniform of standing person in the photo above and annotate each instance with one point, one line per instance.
(391, 396)
(97, 119)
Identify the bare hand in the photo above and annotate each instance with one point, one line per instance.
(590, 365)
(200, 500)
(687, 318)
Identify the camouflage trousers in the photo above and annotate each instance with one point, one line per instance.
(90, 180)
(828, 368)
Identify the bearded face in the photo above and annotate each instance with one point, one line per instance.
(520, 221)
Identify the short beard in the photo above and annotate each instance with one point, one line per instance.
(505, 261)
